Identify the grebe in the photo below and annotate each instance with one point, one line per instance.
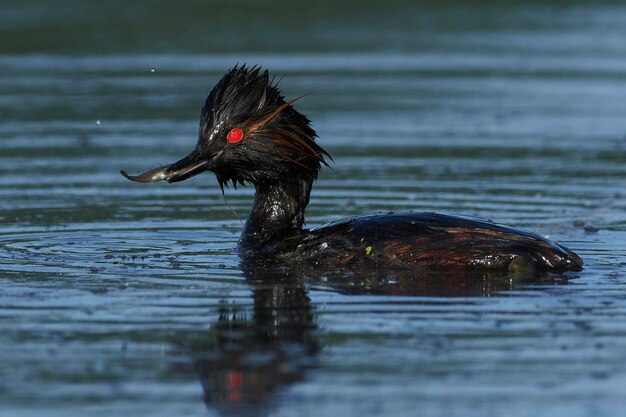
(250, 134)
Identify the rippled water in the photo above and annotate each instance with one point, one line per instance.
(126, 299)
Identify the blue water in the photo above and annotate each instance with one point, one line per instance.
(127, 299)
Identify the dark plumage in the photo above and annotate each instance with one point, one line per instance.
(249, 133)
(279, 140)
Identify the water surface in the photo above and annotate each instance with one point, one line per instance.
(126, 299)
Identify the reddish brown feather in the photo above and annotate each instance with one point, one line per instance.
(260, 124)
(314, 153)
(282, 155)
(454, 249)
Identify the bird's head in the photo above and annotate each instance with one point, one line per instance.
(248, 133)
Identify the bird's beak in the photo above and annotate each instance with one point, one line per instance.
(192, 164)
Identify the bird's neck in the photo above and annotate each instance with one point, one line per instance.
(277, 213)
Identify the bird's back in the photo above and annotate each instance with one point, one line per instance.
(427, 242)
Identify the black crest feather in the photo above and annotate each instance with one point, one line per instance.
(279, 140)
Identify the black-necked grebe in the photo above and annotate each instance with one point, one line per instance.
(250, 134)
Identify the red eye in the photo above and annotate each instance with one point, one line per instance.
(234, 135)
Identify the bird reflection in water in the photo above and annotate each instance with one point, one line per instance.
(252, 358)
